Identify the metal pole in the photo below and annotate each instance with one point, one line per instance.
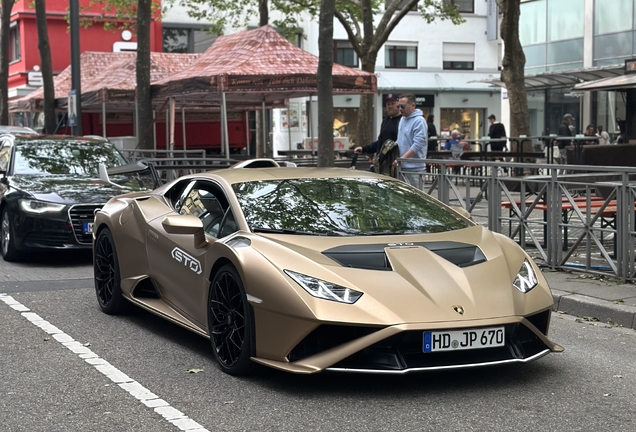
(225, 134)
(154, 128)
(172, 125)
(265, 130)
(167, 127)
(183, 128)
(289, 129)
(247, 132)
(76, 80)
(137, 122)
(311, 121)
(104, 119)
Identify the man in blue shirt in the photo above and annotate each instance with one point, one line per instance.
(412, 139)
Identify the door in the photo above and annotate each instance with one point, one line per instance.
(178, 267)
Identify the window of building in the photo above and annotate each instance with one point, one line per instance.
(344, 54)
(14, 42)
(186, 39)
(400, 56)
(532, 22)
(612, 16)
(459, 56)
(566, 20)
(463, 6)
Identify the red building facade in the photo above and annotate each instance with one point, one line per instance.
(24, 55)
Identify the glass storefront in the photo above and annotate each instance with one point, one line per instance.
(346, 123)
(469, 121)
(536, 112)
(608, 109)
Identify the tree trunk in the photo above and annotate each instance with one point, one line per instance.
(5, 21)
(365, 113)
(325, 83)
(263, 12)
(261, 151)
(144, 96)
(512, 74)
(46, 65)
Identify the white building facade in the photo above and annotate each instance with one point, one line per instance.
(439, 63)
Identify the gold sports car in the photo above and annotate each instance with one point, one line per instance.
(308, 269)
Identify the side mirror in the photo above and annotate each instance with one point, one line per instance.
(186, 224)
(462, 211)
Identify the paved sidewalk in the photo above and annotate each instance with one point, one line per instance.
(593, 298)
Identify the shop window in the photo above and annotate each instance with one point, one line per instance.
(459, 56)
(469, 122)
(400, 56)
(463, 6)
(14, 42)
(186, 40)
(344, 54)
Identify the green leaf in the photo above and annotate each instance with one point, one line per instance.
(194, 370)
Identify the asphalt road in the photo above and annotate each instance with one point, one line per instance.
(94, 372)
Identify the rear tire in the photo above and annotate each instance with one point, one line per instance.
(230, 322)
(107, 276)
(9, 251)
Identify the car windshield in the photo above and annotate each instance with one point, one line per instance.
(342, 206)
(65, 157)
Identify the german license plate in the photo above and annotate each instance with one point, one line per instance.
(88, 227)
(464, 339)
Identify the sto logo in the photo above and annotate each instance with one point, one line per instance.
(187, 260)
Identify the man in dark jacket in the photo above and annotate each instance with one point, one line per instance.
(564, 131)
(497, 131)
(388, 128)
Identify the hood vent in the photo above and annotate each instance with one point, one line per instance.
(372, 256)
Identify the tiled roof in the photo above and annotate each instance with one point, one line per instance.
(105, 75)
(261, 61)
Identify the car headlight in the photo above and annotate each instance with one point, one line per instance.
(325, 290)
(35, 206)
(526, 278)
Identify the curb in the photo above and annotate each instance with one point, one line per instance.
(590, 307)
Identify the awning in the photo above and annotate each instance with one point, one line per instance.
(615, 83)
(562, 78)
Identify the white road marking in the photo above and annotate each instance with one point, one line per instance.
(136, 390)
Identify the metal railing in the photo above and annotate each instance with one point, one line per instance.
(581, 220)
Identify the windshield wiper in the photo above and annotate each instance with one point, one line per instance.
(285, 231)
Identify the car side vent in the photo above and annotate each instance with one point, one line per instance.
(145, 289)
(372, 256)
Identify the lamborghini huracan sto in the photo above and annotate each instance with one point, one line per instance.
(308, 269)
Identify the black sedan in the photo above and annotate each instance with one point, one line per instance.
(51, 187)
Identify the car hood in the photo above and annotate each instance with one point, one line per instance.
(423, 281)
(68, 189)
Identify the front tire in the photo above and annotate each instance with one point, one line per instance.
(230, 322)
(107, 276)
(7, 242)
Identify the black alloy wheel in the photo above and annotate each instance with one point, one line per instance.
(7, 240)
(230, 322)
(107, 277)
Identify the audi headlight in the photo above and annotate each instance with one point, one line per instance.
(325, 290)
(526, 278)
(39, 207)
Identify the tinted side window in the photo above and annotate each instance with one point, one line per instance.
(203, 204)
